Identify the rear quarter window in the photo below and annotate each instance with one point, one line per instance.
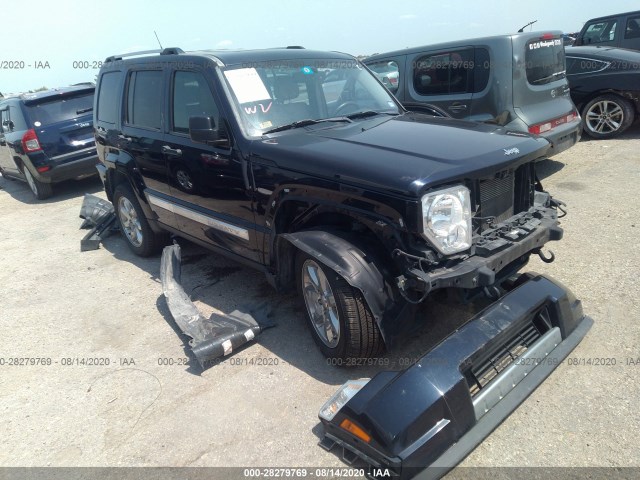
(108, 97)
(545, 61)
(444, 73)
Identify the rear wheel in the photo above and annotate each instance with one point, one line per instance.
(40, 190)
(340, 321)
(607, 116)
(142, 240)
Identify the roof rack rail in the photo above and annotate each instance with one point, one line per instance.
(164, 51)
(295, 47)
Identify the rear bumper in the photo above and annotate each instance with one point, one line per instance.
(427, 418)
(564, 136)
(65, 169)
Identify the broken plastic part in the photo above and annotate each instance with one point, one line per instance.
(99, 215)
(214, 337)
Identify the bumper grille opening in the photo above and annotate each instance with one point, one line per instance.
(483, 371)
(507, 194)
(496, 197)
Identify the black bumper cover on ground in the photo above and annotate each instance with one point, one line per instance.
(213, 337)
(425, 416)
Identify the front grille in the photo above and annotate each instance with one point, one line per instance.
(484, 371)
(496, 197)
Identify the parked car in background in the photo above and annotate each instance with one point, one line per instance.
(388, 74)
(47, 137)
(517, 81)
(605, 86)
(619, 30)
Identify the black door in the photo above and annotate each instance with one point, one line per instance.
(142, 136)
(209, 184)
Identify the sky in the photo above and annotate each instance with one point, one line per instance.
(55, 44)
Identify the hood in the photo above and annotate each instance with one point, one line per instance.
(406, 155)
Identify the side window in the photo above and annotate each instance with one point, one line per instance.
(632, 30)
(5, 120)
(600, 32)
(144, 99)
(16, 116)
(576, 66)
(191, 97)
(108, 98)
(388, 73)
(444, 73)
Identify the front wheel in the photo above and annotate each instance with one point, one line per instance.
(142, 240)
(607, 116)
(338, 316)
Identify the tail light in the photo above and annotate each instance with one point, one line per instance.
(539, 128)
(30, 141)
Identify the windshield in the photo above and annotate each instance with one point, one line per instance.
(270, 95)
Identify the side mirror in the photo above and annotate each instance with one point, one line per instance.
(203, 130)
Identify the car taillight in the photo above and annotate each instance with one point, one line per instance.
(539, 128)
(30, 141)
(547, 36)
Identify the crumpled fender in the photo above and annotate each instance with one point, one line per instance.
(360, 270)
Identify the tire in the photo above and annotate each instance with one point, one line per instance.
(354, 331)
(142, 240)
(607, 116)
(40, 190)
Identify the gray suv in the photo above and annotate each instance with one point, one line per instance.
(517, 81)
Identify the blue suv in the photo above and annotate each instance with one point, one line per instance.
(47, 137)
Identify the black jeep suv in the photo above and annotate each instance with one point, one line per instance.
(47, 137)
(329, 186)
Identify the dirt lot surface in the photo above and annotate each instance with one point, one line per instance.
(63, 305)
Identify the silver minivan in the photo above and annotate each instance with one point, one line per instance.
(517, 81)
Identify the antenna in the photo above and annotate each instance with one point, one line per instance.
(154, 32)
(530, 23)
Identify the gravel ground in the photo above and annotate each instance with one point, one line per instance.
(63, 305)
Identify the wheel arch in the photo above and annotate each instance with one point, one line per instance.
(361, 268)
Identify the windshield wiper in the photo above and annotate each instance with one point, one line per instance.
(549, 77)
(306, 123)
(84, 110)
(368, 113)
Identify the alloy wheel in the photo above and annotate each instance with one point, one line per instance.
(130, 221)
(321, 303)
(604, 117)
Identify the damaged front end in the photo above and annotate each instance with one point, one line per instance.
(434, 413)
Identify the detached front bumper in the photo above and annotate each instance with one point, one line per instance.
(435, 412)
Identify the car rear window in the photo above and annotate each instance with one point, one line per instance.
(545, 61)
(60, 109)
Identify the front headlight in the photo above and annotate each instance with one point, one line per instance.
(446, 218)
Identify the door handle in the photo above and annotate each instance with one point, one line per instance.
(457, 107)
(124, 137)
(173, 152)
